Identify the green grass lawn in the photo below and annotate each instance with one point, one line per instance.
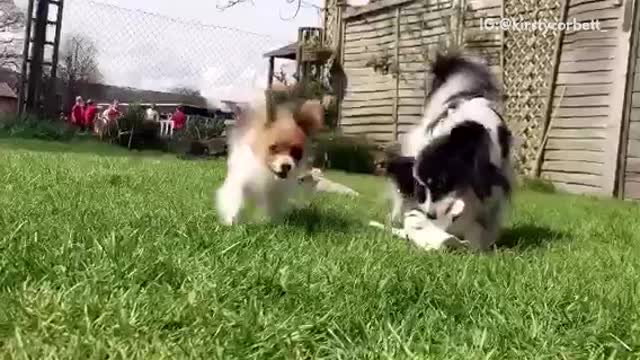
(119, 255)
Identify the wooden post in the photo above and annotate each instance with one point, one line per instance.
(621, 164)
(557, 52)
(270, 75)
(619, 77)
(341, 24)
(269, 105)
(424, 48)
(502, 46)
(457, 24)
(299, 45)
(25, 59)
(396, 73)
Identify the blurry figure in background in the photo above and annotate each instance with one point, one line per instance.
(100, 127)
(152, 114)
(113, 111)
(77, 113)
(63, 117)
(90, 114)
(179, 118)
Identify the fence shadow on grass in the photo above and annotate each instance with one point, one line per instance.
(528, 236)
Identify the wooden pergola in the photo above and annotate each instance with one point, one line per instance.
(288, 52)
(309, 53)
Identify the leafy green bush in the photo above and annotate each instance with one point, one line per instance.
(132, 118)
(32, 127)
(203, 128)
(346, 153)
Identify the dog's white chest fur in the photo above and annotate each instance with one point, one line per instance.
(249, 179)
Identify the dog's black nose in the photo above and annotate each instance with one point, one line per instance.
(431, 215)
(285, 168)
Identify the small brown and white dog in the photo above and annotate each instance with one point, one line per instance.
(267, 155)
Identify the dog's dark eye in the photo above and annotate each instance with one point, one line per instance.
(437, 184)
(296, 153)
(273, 148)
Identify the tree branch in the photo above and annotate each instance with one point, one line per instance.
(227, 4)
(231, 3)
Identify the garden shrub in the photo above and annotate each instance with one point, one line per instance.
(33, 127)
(202, 128)
(146, 134)
(347, 153)
(538, 185)
(132, 118)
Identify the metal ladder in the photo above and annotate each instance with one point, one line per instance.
(30, 97)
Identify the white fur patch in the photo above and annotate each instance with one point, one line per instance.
(423, 232)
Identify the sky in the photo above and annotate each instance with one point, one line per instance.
(160, 44)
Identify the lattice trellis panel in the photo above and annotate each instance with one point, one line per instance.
(528, 59)
(331, 23)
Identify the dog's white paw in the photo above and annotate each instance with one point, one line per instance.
(227, 221)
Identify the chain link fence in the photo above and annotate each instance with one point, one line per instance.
(133, 48)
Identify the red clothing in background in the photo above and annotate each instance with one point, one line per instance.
(113, 113)
(90, 115)
(179, 119)
(77, 114)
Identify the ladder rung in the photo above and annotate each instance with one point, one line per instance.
(46, 63)
(49, 22)
(50, 43)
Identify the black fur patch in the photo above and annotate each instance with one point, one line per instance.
(400, 170)
(483, 82)
(459, 160)
(504, 139)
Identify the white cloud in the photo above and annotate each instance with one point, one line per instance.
(214, 85)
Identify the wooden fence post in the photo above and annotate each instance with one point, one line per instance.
(396, 73)
(619, 188)
(340, 25)
(621, 70)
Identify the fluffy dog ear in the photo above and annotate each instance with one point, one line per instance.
(472, 142)
(310, 116)
(400, 170)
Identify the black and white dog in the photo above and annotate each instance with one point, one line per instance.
(460, 153)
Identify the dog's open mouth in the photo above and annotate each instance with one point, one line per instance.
(279, 175)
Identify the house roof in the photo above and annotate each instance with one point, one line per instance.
(285, 52)
(6, 91)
